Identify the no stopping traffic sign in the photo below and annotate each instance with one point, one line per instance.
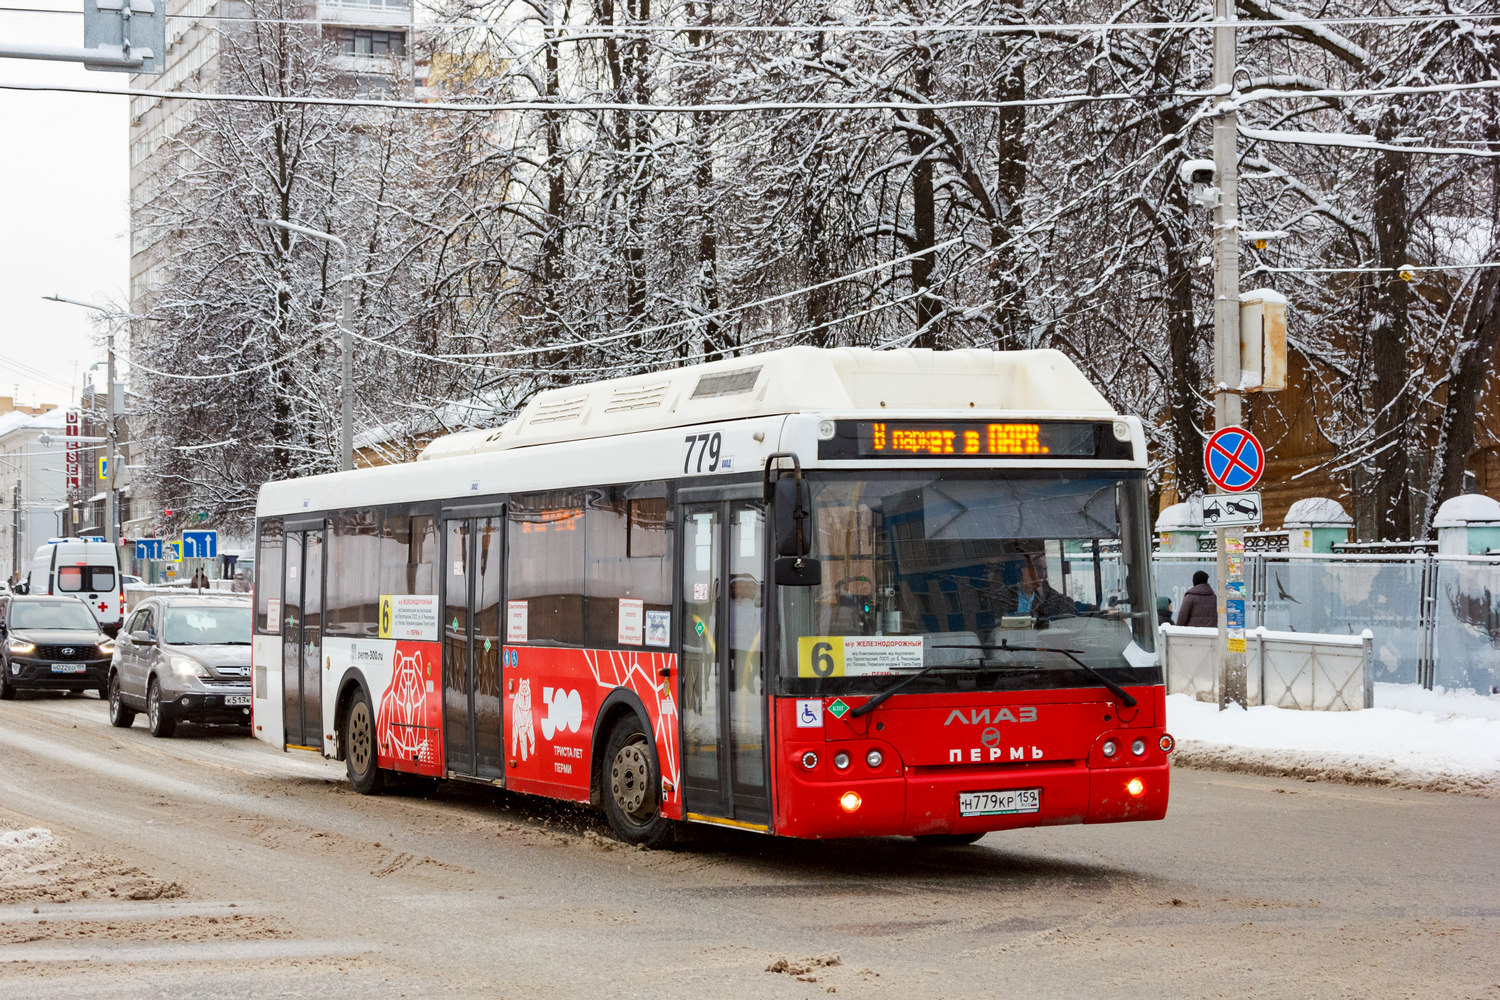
(1234, 459)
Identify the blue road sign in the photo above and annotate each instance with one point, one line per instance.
(1234, 459)
(149, 548)
(200, 544)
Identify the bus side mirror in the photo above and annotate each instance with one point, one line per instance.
(792, 511)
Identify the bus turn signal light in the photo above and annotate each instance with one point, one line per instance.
(1136, 787)
(850, 801)
(1166, 743)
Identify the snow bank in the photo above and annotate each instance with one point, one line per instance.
(1435, 740)
(30, 837)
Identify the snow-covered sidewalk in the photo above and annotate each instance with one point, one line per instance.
(1436, 740)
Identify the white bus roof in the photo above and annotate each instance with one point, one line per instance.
(791, 380)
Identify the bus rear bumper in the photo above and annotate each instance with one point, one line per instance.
(926, 800)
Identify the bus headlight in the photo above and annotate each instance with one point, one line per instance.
(841, 760)
(874, 758)
(1109, 749)
(1138, 747)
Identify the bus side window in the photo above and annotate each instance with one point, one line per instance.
(546, 567)
(354, 574)
(268, 568)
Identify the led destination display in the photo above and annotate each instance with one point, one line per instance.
(918, 439)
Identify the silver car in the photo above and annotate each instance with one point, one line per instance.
(183, 659)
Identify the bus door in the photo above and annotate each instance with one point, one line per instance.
(302, 639)
(723, 696)
(473, 557)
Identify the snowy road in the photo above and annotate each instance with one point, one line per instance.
(210, 866)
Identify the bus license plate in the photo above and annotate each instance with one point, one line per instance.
(236, 699)
(1011, 800)
(68, 668)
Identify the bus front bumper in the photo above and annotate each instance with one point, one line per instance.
(925, 801)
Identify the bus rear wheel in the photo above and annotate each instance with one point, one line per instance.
(632, 787)
(365, 774)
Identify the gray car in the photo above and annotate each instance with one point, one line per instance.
(183, 659)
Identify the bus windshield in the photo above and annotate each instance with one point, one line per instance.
(973, 575)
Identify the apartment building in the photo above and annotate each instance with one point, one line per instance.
(373, 38)
(32, 481)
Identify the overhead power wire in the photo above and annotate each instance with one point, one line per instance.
(1263, 269)
(841, 27)
(299, 349)
(731, 107)
(673, 324)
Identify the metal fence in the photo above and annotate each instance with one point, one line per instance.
(1435, 619)
(1299, 670)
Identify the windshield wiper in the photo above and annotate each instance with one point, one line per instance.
(880, 698)
(1005, 646)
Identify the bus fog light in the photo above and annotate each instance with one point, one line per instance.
(841, 760)
(1138, 747)
(1136, 787)
(874, 758)
(1109, 748)
(809, 760)
(850, 801)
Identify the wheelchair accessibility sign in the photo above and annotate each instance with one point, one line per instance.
(809, 713)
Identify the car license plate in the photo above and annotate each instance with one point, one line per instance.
(236, 699)
(68, 668)
(1011, 800)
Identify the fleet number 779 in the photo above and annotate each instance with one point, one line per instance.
(707, 444)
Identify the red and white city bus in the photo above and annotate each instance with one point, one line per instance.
(815, 593)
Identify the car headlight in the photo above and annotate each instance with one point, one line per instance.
(107, 647)
(20, 646)
(186, 666)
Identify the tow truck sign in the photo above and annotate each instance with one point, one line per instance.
(1233, 510)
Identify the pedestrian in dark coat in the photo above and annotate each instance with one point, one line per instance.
(1200, 606)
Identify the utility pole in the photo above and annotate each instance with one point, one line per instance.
(111, 431)
(15, 560)
(346, 387)
(1230, 541)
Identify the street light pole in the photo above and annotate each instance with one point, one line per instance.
(112, 435)
(1227, 332)
(346, 338)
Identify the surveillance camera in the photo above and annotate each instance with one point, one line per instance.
(1197, 172)
(1200, 174)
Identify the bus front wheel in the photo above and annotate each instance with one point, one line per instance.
(365, 774)
(632, 787)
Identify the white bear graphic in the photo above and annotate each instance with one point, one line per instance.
(522, 733)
